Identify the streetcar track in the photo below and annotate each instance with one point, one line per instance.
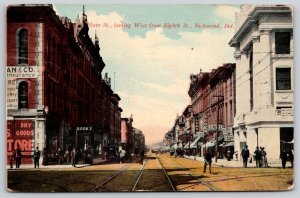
(101, 185)
(166, 174)
(209, 182)
(208, 185)
(138, 176)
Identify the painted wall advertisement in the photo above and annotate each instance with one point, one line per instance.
(13, 75)
(20, 133)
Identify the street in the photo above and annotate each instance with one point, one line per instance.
(159, 173)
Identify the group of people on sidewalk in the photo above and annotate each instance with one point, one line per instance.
(16, 158)
(260, 156)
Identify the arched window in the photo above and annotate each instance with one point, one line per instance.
(23, 47)
(23, 95)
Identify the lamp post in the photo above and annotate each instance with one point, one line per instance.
(217, 135)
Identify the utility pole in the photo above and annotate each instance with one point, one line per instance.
(217, 135)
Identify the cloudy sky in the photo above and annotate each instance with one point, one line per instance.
(152, 64)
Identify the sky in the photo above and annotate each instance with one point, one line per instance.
(150, 65)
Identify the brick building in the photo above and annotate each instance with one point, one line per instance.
(56, 96)
(212, 94)
(127, 134)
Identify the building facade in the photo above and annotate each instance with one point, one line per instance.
(212, 100)
(263, 43)
(127, 134)
(56, 96)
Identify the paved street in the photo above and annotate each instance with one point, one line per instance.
(159, 172)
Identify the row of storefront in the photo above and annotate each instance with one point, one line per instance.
(249, 102)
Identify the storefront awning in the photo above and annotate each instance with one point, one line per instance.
(210, 144)
(194, 143)
(229, 144)
(186, 146)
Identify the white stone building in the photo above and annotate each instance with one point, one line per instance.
(263, 42)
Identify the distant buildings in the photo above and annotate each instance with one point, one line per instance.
(132, 139)
(212, 94)
(250, 102)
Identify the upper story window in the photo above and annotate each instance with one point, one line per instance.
(283, 78)
(23, 95)
(282, 42)
(23, 47)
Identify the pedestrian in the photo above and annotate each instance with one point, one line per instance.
(73, 157)
(228, 155)
(60, 155)
(67, 156)
(245, 155)
(258, 157)
(283, 156)
(142, 156)
(122, 155)
(207, 161)
(12, 159)
(291, 157)
(36, 157)
(264, 157)
(18, 157)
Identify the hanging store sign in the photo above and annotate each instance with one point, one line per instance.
(213, 127)
(228, 134)
(84, 128)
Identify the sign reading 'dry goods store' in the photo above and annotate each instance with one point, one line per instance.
(20, 134)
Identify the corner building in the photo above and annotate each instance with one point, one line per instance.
(56, 96)
(263, 43)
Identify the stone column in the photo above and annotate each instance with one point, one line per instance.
(40, 122)
(262, 69)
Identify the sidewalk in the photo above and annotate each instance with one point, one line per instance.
(56, 166)
(226, 163)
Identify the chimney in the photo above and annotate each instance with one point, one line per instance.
(105, 77)
(109, 81)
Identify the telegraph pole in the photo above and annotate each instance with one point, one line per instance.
(217, 135)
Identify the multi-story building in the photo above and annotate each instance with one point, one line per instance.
(127, 134)
(263, 42)
(221, 108)
(198, 92)
(212, 94)
(56, 96)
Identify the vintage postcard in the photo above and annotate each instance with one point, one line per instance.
(159, 98)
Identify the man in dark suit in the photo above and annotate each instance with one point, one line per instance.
(207, 161)
(36, 157)
(245, 155)
(18, 157)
